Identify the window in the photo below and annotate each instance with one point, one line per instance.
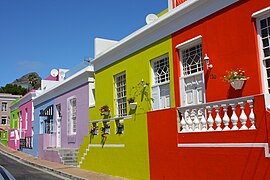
(4, 106)
(72, 116)
(26, 119)
(192, 59)
(4, 120)
(264, 25)
(120, 88)
(161, 82)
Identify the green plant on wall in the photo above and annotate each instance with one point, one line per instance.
(141, 92)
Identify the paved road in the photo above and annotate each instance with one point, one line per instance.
(24, 172)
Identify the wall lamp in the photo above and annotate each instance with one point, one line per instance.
(207, 61)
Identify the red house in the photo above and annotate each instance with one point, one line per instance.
(220, 128)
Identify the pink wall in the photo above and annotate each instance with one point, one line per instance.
(26, 124)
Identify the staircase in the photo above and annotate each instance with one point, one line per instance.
(69, 157)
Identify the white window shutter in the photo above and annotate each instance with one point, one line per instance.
(165, 95)
(156, 97)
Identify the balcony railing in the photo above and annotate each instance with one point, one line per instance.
(233, 114)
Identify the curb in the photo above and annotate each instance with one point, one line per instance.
(56, 172)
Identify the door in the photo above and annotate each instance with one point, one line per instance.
(192, 89)
(58, 126)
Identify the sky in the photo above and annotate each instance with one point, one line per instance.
(40, 35)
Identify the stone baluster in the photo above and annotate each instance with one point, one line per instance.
(243, 116)
(183, 122)
(234, 117)
(225, 118)
(210, 119)
(202, 120)
(251, 115)
(196, 121)
(217, 119)
(189, 121)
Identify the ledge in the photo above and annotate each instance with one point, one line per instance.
(110, 119)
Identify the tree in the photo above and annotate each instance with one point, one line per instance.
(13, 89)
(34, 81)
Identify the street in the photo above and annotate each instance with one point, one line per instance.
(23, 171)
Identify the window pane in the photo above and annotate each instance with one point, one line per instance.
(263, 23)
(264, 33)
(266, 52)
(161, 70)
(265, 42)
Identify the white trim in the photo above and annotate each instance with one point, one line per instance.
(190, 42)
(68, 84)
(110, 119)
(107, 145)
(228, 145)
(178, 18)
(260, 13)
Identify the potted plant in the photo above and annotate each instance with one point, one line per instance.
(236, 78)
(104, 110)
(132, 104)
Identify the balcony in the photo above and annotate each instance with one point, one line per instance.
(233, 114)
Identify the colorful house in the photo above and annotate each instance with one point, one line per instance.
(61, 115)
(133, 76)
(5, 101)
(21, 131)
(187, 113)
(220, 129)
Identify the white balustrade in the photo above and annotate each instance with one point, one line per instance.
(218, 116)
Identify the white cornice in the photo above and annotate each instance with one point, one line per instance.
(178, 18)
(261, 12)
(67, 85)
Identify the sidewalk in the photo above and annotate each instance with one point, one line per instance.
(56, 168)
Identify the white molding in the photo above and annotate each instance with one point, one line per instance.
(228, 145)
(74, 81)
(262, 12)
(178, 18)
(190, 42)
(110, 119)
(107, 145)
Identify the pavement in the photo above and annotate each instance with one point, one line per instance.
(66, 172)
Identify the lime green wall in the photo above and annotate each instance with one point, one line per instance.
(132, 161)
(14, 119)
(4, 138)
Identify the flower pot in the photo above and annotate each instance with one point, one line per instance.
(106, 113)
(238, 83)
(133, 105)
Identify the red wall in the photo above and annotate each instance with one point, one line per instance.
(167, 161)
(229, 39)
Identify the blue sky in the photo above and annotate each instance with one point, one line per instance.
(39, 35)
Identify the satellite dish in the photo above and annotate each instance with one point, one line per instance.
(54, 72)
(150, 18)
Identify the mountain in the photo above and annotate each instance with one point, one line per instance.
(29, 81)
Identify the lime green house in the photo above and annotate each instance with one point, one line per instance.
(133, 76)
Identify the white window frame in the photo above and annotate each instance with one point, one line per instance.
(2, 107)
(260, 15)
(156, 86)
(26, 118)
(72, 116)
(182, 46)
(123, 99)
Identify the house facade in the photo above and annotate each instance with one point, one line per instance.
(21, 129)
(5, 102)
(129, 83)
(61, 114)
(217, 126)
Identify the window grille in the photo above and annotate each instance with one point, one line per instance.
(161, 70)
(265, 38)
(72, 116)
(121, 102)
(192, 59)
